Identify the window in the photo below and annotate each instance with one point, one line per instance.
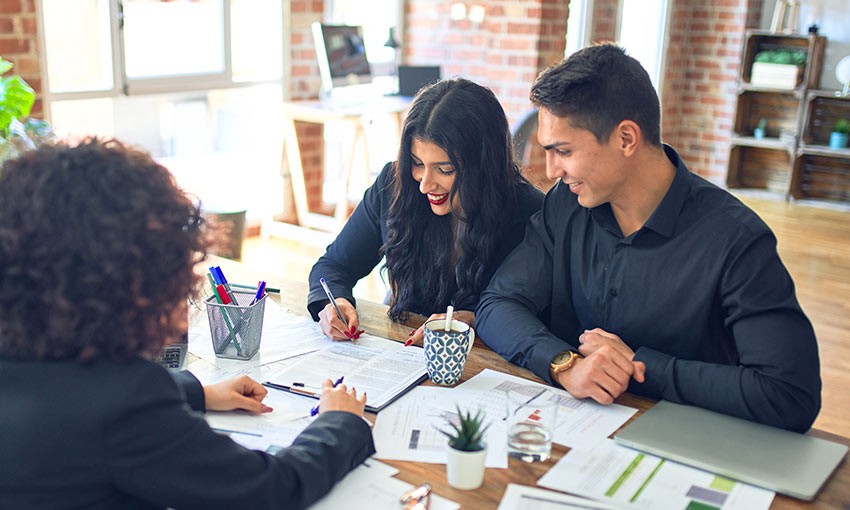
(194, 82)
(578, 25)
(642, 31)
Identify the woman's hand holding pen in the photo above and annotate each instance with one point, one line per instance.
(238, 393)
(340, 398)
(416, 336)
(333, 327)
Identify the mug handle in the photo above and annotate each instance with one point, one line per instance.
(471, 340)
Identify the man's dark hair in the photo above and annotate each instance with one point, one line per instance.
(97, 249)
(597, 88)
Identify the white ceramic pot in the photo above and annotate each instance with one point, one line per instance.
(465, 470)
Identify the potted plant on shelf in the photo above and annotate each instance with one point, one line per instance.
(840, 132)
(18, 132)
(778, 69)
(761, 130)
(467, 449)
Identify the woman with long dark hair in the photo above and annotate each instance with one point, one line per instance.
(444, 215)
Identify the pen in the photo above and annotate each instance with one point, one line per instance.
(219, 299)
(269, 290)
(315, 410)
(333, 301)
(261, 288)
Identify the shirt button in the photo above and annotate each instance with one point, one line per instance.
(612, 291)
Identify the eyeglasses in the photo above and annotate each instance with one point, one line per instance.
(417, 498)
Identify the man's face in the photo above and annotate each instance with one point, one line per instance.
(592, 170)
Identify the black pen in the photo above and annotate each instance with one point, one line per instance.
(333, 302)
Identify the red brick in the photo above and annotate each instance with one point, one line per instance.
(14, 46)
(11, 6)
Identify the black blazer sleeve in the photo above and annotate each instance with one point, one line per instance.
(356, 250)
(160, 453)
(191, 389)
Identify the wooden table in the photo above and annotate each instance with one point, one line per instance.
(373, 318)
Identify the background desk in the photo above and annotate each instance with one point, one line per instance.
(354, 113)
(373, 318)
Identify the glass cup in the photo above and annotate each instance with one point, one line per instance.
(531, 414)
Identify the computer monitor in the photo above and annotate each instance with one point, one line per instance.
(341, 54)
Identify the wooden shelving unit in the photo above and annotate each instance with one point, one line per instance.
(821, 172)
(767, 164)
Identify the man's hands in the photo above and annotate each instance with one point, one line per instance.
(238, 393)
(333, 328)
(606, 369)
(418, 335)
(341, 399)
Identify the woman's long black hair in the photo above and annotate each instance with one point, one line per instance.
(423, 255)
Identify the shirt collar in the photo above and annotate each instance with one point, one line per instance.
(666, 215)
(663, 220)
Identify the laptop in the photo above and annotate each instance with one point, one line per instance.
(779, 460)
(413, 78)
(173, 356)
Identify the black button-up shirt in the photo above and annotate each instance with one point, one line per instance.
(699, 293)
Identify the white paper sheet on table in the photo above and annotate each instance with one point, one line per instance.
(632, 479)
(285, 335)
(579, 424)
(381, 368)
(523, 497)
(371, 487)
(407, 429)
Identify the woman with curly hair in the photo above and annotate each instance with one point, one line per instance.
(97, 250)
(444, 215)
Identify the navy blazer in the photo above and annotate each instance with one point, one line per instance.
(120, 436)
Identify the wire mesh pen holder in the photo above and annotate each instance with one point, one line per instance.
(236, 329)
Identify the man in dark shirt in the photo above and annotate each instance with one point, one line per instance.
(639, 275)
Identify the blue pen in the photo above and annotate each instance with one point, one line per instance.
(261, 289)
(315, 410)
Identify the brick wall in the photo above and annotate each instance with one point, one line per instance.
(505, 52)
(304, 84)
(699, 89)
(19, 44)
(516, 40)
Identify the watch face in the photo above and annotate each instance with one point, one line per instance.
(561, 357)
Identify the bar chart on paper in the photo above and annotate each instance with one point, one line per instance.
(632, 479)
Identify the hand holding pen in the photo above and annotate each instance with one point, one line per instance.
(337, 397)
(338, 320)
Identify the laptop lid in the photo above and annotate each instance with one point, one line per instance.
(413, 78)
(776, 459)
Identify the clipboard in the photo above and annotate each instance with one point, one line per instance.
(383, 368)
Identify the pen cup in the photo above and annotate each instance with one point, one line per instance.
(236, 329)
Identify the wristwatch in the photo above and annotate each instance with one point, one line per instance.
(563, 361)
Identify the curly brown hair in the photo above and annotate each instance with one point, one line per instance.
(97, 249)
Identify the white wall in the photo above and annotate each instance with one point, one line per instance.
(833, 18)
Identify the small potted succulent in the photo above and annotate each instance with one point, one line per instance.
(467, 450)
(840, 133)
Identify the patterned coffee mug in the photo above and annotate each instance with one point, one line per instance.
(446, 351)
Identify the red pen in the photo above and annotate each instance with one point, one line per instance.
(222, 294)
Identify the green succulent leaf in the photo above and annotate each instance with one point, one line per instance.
(468, 433)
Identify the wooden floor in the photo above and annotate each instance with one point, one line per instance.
(814, 243)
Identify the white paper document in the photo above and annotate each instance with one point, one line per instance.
(370, 486)
(408, 429)
(632, 479)
(522, 497)
(579, 423)
(381, 368)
